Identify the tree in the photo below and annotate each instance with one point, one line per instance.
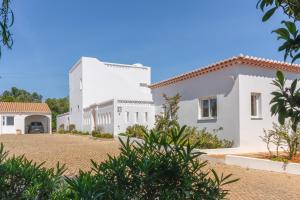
(6, 22)
(20, 95)
(286, 104)
(169, 116)
(57, 106)
(286, 101)
(289, 33)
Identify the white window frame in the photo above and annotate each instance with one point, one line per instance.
(257, 104)
(136, 117)
(4, 120)
(80, 84)
(146, 117)
(200, 113)
(127, 117)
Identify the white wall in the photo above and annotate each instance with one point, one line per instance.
(104, 117)
(132, 108)
(63, 119)
(256, 80)
(221, 84)
(102, 81)
(111, 115)
(233, 87)
(75, 94)
(18, 124)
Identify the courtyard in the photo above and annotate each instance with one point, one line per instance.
(77, 151)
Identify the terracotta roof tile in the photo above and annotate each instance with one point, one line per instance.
(18, 107)
(241, 59)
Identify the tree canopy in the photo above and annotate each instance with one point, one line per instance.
(289, 32)
(20, 95)
(57, 106)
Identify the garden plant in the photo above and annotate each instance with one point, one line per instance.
(165, 166)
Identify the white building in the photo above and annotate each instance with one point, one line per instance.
(109, 96)
(17, 117)
(233, 94)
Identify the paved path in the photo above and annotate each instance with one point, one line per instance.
(76, 152)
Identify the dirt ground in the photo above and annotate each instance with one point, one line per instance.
(76, 152)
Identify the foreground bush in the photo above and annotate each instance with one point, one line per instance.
(163, 167)
(23, 179)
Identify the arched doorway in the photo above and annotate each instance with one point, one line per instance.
(37, 119)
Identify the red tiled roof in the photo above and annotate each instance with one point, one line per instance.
(18, 107)
(241, 59)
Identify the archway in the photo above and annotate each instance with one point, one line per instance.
(33, 119)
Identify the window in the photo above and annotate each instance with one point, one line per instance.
(255, 105)
(8, 121)
(146, 117)
(136, 117)
(126, 117)
(102, 119)
(208, 107)
(109, 118)
(80, 84)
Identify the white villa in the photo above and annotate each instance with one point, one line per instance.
(233, 94)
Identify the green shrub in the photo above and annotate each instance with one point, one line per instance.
(61, 127)
(283, 137)
(72, 127)
(24, 179)
(63, 132)
(163, 167)
(102, 135)
(136, 130)
(79, 132)
(279, 159)
(206, 140)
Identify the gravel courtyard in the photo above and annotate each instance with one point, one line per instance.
(76, 152)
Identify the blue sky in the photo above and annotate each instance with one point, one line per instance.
(171, 36)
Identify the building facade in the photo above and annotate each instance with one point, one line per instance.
(233, 94)
(17, 117)
(98, 90)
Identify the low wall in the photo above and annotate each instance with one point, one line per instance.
(263, 164)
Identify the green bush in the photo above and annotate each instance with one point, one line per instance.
(206, 140)
(79, 132)
(163, 167)
(102, 135)
(201, 138)
(24, 179)
(72, 127)
(136, 130)
(283, 137)
(280, 159)
(61, 127)
(63, 132)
